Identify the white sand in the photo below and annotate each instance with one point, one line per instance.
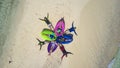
(97, 25)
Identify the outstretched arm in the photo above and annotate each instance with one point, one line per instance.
(74, 28)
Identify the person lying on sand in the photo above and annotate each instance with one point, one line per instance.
(41, 43)
(48, 22)
(64, 51)
(72, 29)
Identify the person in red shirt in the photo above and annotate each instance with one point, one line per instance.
(64, 51)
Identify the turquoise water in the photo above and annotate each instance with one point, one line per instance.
(116, 64)
(6, 9)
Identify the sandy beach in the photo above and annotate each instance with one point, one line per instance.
(98, 28)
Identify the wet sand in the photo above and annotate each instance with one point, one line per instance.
(97, 23)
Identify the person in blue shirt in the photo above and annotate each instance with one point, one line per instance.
(72, 29)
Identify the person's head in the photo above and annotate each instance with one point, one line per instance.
(62, 39)
(51, 36)
(59, 30)
(41, 43)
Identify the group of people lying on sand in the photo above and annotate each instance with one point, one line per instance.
(61, 47)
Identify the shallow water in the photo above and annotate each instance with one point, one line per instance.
(116, 63)
(7, 7)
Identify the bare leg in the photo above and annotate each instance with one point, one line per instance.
(50, 50)
(62, 56)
